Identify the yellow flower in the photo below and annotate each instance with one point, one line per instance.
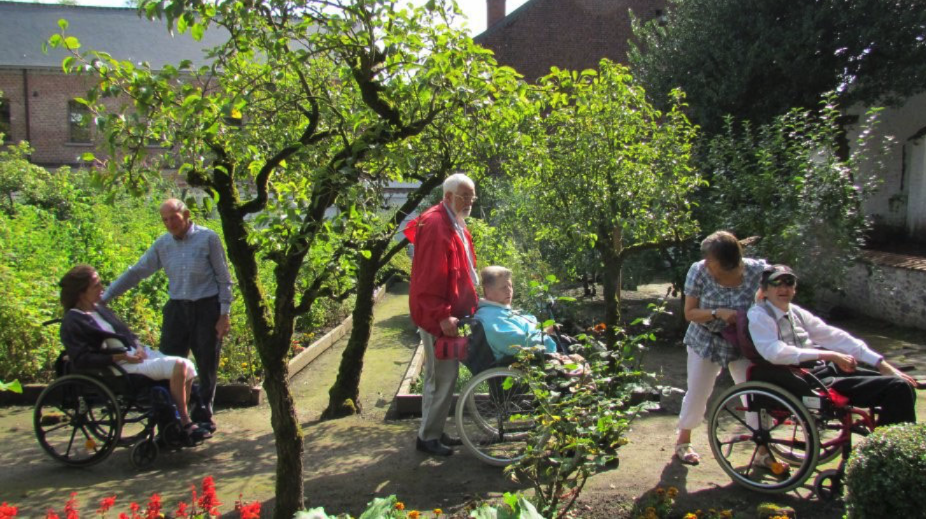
(438, 512)
(400, 506)
(690, 515)
(672, 492)
(660, 491)
(414, 514)
(726, 514)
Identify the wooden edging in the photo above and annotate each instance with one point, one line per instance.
(232, 394)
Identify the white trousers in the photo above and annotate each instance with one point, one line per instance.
(440, 376)
(702, 373)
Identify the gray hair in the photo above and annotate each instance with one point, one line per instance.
(489, 276)
(453, 182)
(174, 204)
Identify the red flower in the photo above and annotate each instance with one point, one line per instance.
(70, 508)
(7, 511)
(154, 507)
(249, 511)
(50, 514)
(135, 508)
(181, 511)
(123, 516)
(208, 502)
(106, 504)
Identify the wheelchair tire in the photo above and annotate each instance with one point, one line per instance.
(77, 420)
(754, 414)
(828, 485)
(493, 416)
(144, 453)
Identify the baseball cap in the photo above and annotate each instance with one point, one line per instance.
(773, 272)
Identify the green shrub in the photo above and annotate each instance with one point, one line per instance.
(886, 474)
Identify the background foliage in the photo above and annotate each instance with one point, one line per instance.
(54, 221)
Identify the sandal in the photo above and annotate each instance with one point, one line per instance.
(686, 454)
(195, 434)
(766, 461)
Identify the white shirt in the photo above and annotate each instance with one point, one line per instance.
(795, 336)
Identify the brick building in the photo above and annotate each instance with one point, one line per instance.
(569, 34)
(38, 104)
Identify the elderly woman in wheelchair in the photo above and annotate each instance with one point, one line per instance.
(494, 411)
(805, 397)
(103, 359)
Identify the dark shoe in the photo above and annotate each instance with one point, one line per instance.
(450, 441)
(208, 425)
(434, 447)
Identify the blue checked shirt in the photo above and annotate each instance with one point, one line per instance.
(704, 338)
(195, 267)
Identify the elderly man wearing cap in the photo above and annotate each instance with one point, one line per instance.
(785, 333)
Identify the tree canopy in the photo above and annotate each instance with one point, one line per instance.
(604, 171)
(756, 59)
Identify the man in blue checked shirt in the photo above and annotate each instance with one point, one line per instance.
(196, 316)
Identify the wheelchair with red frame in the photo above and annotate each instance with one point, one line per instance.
(81, 417)
(789, 414)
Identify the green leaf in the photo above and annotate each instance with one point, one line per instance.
(71, 43)
(87, 156)
(55, 40)
(197, 31)
(366, 254)
(63, 24)
(13, 387)
(567, 299)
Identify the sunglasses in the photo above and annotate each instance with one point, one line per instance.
(788, 282)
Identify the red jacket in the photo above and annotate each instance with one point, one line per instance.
(441, 285)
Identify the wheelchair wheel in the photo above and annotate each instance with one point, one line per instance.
(493, 416)
(828, 485)
(144, 453)
(756, 414)
(829, 432)
(77, 420)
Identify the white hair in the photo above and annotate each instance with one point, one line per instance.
(453, 182)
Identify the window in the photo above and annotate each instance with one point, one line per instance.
(4, 119)
(78, 122)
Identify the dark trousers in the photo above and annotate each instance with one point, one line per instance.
(863, 387)
(190, 326)
(866, 388)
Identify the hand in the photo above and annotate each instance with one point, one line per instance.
(133, 357)
(888, 370)
(726, 315)
(141, 353)
(222, 326)
(551, 330)
(449, 327)
(845, 362)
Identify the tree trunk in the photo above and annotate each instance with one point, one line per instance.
(612, 297)
(344, 395)
(287, 434)
(271, 347)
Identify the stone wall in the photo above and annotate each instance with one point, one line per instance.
(891, 287)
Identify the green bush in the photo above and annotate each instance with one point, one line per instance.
(886, 474)
(58, 221)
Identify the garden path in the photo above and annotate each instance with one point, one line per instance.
(351, 460)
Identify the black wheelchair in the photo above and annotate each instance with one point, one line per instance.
(788, 412)
(81, 417)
